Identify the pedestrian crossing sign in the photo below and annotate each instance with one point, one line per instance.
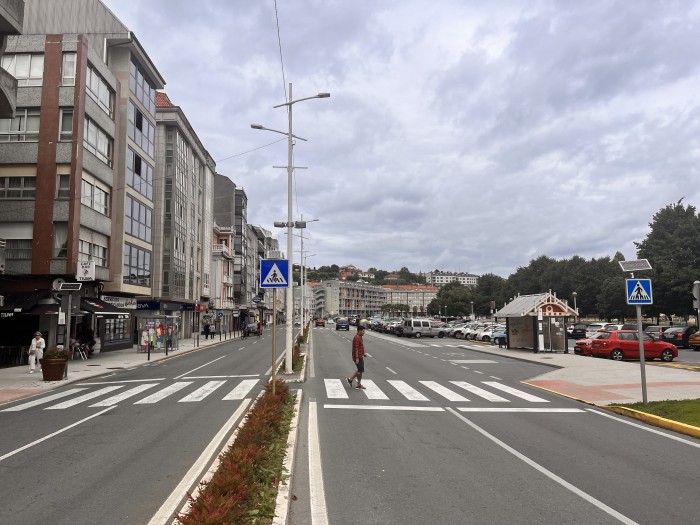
(639, 291)
(274, 273)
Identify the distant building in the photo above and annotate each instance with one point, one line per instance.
(439, 278)
(346, 271)
(416, 296)
(339, 298)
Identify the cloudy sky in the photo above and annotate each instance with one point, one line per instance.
(460, 135)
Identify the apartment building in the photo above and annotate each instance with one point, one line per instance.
(11, 22)
(340, 298)
(439, 278)
(415, 297)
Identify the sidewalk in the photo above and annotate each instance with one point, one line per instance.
(17, 383)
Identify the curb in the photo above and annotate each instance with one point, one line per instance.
(657, 421)
(285, 486)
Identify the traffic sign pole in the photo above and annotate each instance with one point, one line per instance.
(641, 354)
(274, 338)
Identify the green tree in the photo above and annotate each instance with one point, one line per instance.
(456, 297)
(673, 249)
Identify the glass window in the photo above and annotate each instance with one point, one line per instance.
(97, 142)
(18, 249)
(68, 71)
(99, 91)
(86, 194)
(141, 130)
(24, 127)
(26, 68)
(139, 174)
(137, 265)
(63, 187)
(137, 219)
(66, 132)
(17, 187)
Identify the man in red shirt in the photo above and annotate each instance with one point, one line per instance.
(358, 357)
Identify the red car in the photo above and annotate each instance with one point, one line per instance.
(583, 346)
(624, 344)
(320, 322)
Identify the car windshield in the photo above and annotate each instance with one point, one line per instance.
(674, 330)
(342, 320)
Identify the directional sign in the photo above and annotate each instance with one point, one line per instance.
(638, 291)
(274, 273)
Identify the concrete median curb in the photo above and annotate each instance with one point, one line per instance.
(657, 421)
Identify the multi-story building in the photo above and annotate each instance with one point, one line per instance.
(415, 297)
(342, 298)
(222, 297)
(439, 278)
(11, 21)
(346, 271)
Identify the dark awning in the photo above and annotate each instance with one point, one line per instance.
(100, 308)
(22, 302)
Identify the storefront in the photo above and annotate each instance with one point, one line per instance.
(110, 325)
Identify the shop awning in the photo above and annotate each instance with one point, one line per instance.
(98, 308)
(22, 302)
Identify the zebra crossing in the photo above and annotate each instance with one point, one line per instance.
(120, 393)
(454, 391)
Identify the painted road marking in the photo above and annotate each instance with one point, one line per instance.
(118, 398)
(84, 397)
(443, 391)
(202, 392)
(242, 390)
(485, 394)
(372, 391)
(43, 400)
(527, 410)
(516, 392)
(335, 388)
(407, 391)
(162, 394)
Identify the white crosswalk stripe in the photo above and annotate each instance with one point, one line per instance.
(335, 388)
(407, 391)
(372, 391)
(516, 392)
(443, 391)
(242, 390)
(202, 392)
(43, 400)
(485, 394)
(162, 394)
(84, 397)
(118, 398)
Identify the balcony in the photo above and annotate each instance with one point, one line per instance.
(221, 249)
(228, 279)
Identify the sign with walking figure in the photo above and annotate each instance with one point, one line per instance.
(639, 291)
(274, 273)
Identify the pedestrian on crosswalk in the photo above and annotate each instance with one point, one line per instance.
(358, 357)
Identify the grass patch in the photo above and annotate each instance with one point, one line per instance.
(683, 411)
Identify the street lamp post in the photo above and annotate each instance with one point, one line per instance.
(472, 303)
(575, 309)
(289, 314)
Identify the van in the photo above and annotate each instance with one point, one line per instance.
(422, 328)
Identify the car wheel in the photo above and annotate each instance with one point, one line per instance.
(417, 336)
(486, 339)
(441, 335)
(617, 355)
(667, 355)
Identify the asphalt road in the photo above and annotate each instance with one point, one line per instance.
(444, 434)
(79, 455)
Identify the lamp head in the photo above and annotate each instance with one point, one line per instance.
(256, 126)
(323, 95)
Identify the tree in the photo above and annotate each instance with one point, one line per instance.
(456, 297)
(673, 249)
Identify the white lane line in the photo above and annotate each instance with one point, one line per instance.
(551, 475)
(242, 390)
(407, 391)
(43, 400)
(496, 378)
(179, 493)
(515, 392)
(527, 410)
(335, 389)
(386, 407)
(126, 381)
(121, 396)
(648, 429)
(235, 376)
(466, 368)
(195, 369)
(443, 391)
(480, 392)
(390, 370)
(162, 394)
(40, 440)
(84, 397)
(474, 361)
(372, 391)
(202, 392)
(317, 494)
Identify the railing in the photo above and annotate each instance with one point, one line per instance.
(13, 356)
(221, 248)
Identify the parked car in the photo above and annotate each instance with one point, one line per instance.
(583, 346)
(320, 322)
(694, 341)
(593, 328)
(342, 324)
(679, 335)
(576, 330)
(422, 328)
(656, 331)
(624, 344)
(500, 337)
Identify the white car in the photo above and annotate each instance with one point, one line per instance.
(593, 328)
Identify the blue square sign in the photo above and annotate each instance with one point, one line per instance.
(274, 273)
(638, 291)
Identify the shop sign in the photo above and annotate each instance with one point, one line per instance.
(86, 271)
(120, 302)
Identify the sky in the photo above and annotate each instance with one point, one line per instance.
(460, 135)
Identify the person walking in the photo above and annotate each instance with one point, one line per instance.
(259, 328)
(358, 357)
(36, 351)
(207, 330)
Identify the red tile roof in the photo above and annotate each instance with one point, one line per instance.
(162, 100)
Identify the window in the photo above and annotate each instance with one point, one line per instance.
(86, 197)
(116, 330)
(24, 127)
(68, 70)
(63, 187)
(141, 88)
(97, 142)
(18, 249)
(88, 251)
(138, 219)
(66, 131)
(95, 197)
(99, 91)
(17, 187)
(137, 266)
(26, 68)
(139, 174)
(141, 130)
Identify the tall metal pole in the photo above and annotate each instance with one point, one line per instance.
(640, 333)
(274, 338)
(301, 277)
(289, 316)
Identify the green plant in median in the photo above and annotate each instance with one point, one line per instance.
(684, 411)
(244, 488)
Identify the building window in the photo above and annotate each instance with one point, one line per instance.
(17, 187)
(138, 219)
(68, 71)
(139, 174)
(26, 68)
(97, 142)
(141, 130)
(95, 197)
(99, 91)
(63, 187)
(18, 249)
(24, 127)
(141, 88)
(116, 330)
(137, 266)
(88, 251)
(66, 131)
